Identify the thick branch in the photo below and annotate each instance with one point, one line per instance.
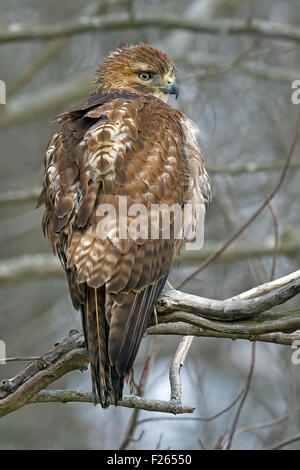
(27, 387)
(289, 321)
(225, 310)
(185, 329)
(67, 356)
(233, 26)
(65, 396)
(183, 314)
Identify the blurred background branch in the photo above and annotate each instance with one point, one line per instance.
(49, 100)
(45, 264)
(223, 26)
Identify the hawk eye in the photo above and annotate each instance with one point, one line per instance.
(144, 76)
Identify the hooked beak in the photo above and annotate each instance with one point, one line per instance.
(172, 89)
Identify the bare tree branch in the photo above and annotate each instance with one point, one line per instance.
(246, 331)
(209, 418)
(225, 26)
(67, 356)
(225, 310)
(243, 250)
(184, 329)
(265, 203)
(176, 365)
(70, 354)
(285, 442)
(26, 387)
(67, 396)
(288, 321)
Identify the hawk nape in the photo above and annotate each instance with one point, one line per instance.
(124, 140)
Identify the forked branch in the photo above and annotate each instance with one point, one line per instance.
(242, 317)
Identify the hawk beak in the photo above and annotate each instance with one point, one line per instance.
(172, 89)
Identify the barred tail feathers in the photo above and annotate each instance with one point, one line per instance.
(96, 333)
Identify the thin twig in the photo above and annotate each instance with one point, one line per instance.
(70, 354)
(22, 359)
(180, 328)
(176, 365)
(267, 287)
(284, 443)
(225, 26)
(252, 218)
(177, 302)
(209, 418)
(251, 371)
(71, 396)
(141, 390)
(245, 394)
(267, 424)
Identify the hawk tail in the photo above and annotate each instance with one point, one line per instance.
(96, 331)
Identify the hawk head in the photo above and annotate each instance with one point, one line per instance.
(138, 69)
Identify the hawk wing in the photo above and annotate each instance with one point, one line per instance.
(119, 145)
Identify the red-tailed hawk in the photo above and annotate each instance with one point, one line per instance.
(123, 143)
